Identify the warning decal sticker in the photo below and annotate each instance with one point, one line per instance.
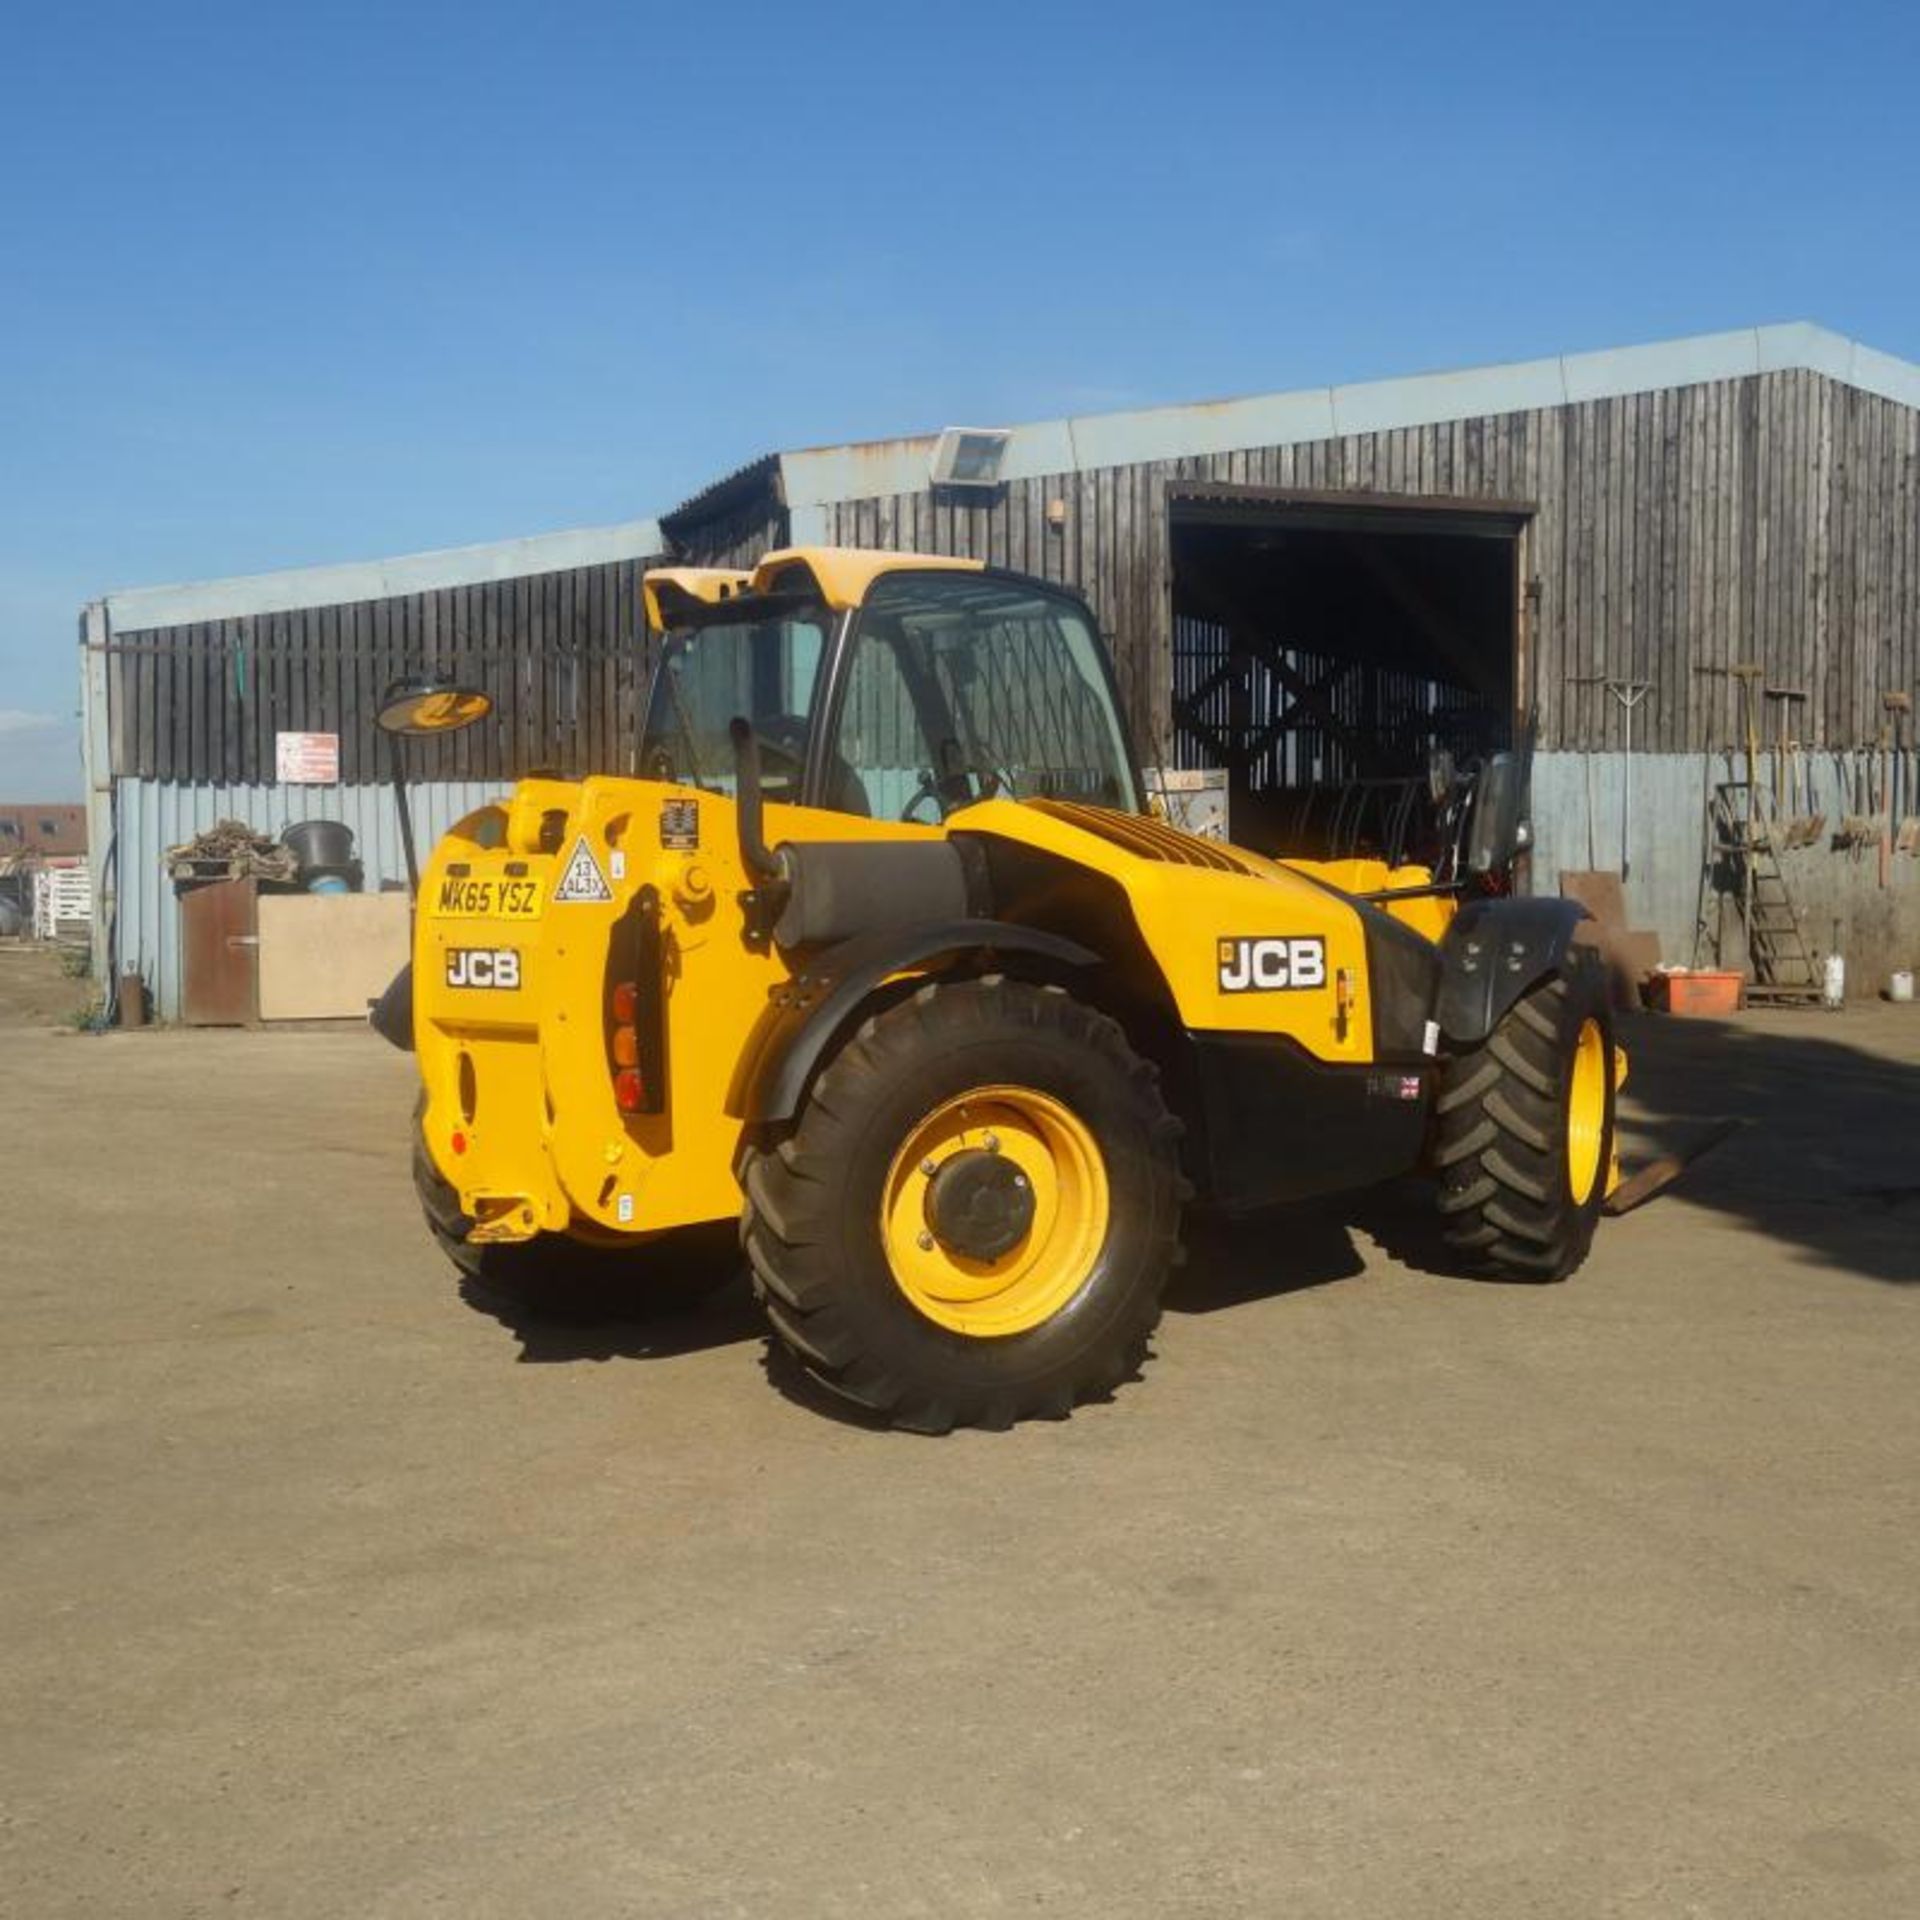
(680, 825)
(583, 880)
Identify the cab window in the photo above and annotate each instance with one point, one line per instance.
(961, 687)
(766, 667)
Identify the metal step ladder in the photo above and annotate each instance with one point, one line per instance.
(1747, 838)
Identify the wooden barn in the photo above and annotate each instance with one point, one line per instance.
(253, 700)
(1308, 590)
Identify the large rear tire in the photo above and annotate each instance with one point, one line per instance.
(1525, 1129)
(975, 1215)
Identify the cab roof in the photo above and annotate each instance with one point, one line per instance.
(841, 576)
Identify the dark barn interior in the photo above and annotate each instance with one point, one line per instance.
(1323, 650)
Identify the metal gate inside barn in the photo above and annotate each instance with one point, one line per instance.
(1324, 646)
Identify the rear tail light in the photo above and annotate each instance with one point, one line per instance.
(623, 1046)
(636, 1015)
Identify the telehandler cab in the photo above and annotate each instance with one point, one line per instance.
(881, 959)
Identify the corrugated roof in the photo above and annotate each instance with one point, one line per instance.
(723, 495)
(137, 609)
(822, 476)
(857, 470)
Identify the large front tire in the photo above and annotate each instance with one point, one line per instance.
(1525, 1129)
(973, 1220)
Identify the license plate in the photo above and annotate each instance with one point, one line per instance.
(487, 898)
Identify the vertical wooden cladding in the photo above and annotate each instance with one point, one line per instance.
(1774, 519)
(565, 656)
(1106, 538)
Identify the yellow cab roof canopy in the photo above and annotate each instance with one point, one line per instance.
(841, 576)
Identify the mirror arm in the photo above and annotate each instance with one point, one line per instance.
(772, 884)
(755, 855)
(395, 754)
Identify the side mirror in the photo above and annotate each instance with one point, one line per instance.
(1496, 829)
(419, 708)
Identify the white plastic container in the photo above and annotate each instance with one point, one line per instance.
(1833, 982)
(1900, 986)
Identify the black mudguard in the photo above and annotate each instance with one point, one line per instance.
(1276, 1124)
(804, 1015)
(1492, 953)
(391, 1016)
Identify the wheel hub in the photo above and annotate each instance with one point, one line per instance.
(979, 1204)
(987, 1253)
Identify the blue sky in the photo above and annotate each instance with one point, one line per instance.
(283, 285)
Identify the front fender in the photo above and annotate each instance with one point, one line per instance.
(804, 1015)
(1493, 951)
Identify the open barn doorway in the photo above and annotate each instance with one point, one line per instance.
(1324, 646)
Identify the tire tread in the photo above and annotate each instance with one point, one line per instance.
(795, 1200)
(1499, 1133)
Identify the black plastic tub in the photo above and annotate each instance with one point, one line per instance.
(320, 845)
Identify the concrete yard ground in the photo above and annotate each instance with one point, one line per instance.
(329, 1591)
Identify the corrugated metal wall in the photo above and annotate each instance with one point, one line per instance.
(152, 815)
(1581, 818)
(1774, 518)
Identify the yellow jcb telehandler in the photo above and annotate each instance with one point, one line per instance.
(880, 958)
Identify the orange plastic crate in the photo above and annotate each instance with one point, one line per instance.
(1705, 995)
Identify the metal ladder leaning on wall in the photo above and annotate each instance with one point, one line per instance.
(1784, 972)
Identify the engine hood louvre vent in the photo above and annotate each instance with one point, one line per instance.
(1151, 839)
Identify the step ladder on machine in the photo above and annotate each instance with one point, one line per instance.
(1784, 971)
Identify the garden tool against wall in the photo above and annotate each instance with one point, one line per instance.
(1857, 826)
(1906, 832)
(1792, 820)
(1808, 823)
(1628, 694)
(1747, 678)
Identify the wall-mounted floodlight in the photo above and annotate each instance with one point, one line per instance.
(969, 456)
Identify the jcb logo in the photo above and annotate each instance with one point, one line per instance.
(1272, 965)
(483, 967)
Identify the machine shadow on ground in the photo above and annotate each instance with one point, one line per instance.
(609, 1320)
(1823, 1158)
(1822, 1161)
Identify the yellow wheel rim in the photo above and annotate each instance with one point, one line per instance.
(1065, 1176)
(1586, 1112)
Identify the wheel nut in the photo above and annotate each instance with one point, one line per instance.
(929, 1167)
(924, 1241)
(991, 1142)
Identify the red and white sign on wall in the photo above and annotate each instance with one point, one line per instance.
(306, 759)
